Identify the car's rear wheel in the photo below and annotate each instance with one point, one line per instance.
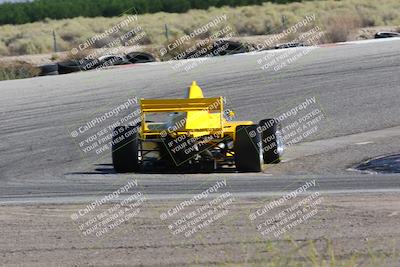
(272, 141)
(125, 149)
(247, 147)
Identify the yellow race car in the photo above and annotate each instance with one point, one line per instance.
(196, 134)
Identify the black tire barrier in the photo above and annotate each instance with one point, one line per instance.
(69, 67)
(48, 69)
(380, 35)
(229, 48)
(52, 73)
(140, 57)
(289, 45)
(219, 48)
(112, 60)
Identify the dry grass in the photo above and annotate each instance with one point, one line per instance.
(339, 27)
(17, 70)
(306, 254)
(337, 18)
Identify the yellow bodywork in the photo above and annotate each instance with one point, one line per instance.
(194, 116)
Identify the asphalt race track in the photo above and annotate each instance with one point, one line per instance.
(356, 84)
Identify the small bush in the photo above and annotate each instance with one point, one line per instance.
(78, 56)
(339, 27)
(3, 49)
(17, 70)
(367, 20)
(338, 18)
(31, 45)
(54, 57)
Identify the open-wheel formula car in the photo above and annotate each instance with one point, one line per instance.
(195, 133)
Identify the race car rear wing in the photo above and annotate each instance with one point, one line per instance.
(197, 116)
(182, 105)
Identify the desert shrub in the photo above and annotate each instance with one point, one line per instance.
(32, 45)
(179, 50)
(3, 49)
(336, 17)
(366, 17)
(339, 27)
(389, 15)
(72, 31)
(38, 10)
(17, 70)
(250, 27)
(23, 47)
(78, 56)
(54, 57)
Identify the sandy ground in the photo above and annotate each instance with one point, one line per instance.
(354, 228)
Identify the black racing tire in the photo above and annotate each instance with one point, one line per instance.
(125, 149)
(272, 140)
(247, 148)
(48, 69)
(69, 67)
(52, 73)
(140, 57)
(112, 60)
(231, 48)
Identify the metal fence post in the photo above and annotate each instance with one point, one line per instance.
(54, 41)
(166, 31)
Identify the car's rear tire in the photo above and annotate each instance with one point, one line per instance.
(125, 149)
(272, 141)
(247, 147)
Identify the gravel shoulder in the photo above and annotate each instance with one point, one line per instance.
(361, 229)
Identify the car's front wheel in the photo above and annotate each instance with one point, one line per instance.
(272, 140)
